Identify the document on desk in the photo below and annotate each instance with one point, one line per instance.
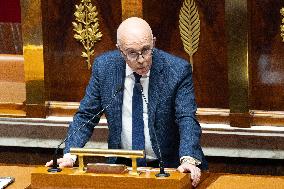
(5, 181)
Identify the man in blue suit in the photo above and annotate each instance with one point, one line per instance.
(166, 97)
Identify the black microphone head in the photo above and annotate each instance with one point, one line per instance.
(118, 89)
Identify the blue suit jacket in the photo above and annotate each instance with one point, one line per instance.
(171, 108)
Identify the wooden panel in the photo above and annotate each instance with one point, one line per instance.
(213, 115)
(131, 8)
(267, 58)
(61, 108)
(210, 64)
(41, 179)
(12, 109)
(12, 81)
(224, 181)
(21, 175)
(275, 118)
(212, 180)
(66, 73)
(11, 38)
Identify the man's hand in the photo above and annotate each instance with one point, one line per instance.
(62, 162)
(195, 172)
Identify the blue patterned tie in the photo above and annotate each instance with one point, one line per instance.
(138, 138)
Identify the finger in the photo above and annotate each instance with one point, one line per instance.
(180, 169)
(60, 160)
(66, 164)
(194, 181)
(199, 173)
(49, 163)
(195, 178)
(196, 171)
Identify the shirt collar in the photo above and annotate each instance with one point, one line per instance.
(129, 72)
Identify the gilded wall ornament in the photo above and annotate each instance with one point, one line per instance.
(86, 26)
(282, 26)
(189, 26)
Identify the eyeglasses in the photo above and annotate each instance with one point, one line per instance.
(133, 55)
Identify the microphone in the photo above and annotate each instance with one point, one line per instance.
(162, 172)
(54, 167)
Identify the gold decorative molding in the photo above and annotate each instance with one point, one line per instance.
(87, 28)
(33, 52)
(282, 25)
(237, 30)
(133, 154)
(189, 25)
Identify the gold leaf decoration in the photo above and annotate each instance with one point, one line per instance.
(282, 25)
(189, 26)
(86, 27)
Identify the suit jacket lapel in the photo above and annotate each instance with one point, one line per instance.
(118, 80)
(155, 83)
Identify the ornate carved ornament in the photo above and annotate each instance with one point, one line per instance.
(86, 27)
(189, 26)
(282, 25)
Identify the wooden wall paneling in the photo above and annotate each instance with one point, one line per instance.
(213, 115)
(12, 83)
(66, 72)
(267, 57)
(33, 57)
(264, 118)
(210, 72)
(11, 38)
(12, 110)
(131, 8)
(58, 109)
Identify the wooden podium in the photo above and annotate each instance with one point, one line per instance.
(74, 178)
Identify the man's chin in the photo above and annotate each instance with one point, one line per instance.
(143, 71)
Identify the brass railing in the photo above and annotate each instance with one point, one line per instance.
(133, 154)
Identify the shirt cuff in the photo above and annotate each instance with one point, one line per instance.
(190, 160)
(68, 155)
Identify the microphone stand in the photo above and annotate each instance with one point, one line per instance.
(162, 172)
(55, 167)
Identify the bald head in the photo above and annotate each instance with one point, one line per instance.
(134, 30)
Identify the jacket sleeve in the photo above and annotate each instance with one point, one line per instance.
(90, 105)
(185, 106)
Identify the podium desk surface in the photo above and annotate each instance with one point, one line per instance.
(22, 175)
(73, 178)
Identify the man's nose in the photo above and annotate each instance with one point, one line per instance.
(140, 59)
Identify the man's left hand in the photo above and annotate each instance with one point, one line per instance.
(195, 172)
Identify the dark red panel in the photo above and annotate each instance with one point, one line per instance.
(10, 11)
(267, 57)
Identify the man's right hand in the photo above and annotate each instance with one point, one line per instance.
(62, 162)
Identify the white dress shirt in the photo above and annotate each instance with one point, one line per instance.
(126, 134)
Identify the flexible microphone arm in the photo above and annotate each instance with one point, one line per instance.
(162, 172)
(55, 167)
